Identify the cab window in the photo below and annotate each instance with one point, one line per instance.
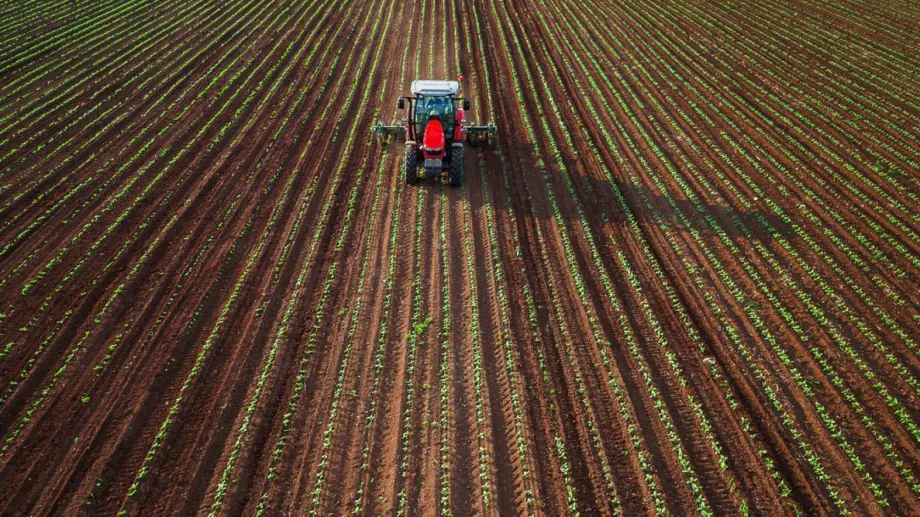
(425, 106)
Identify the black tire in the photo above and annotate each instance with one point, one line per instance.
(411, 165)
(456, 165)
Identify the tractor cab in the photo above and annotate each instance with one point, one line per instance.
(436, 100)
(427, 108)
(434, 131)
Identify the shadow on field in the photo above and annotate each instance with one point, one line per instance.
(599, 202)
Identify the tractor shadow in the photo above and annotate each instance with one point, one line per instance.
(600, 204)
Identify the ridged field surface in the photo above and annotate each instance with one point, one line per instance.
(684, 280)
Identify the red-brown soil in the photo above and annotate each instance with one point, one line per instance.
(684, 279)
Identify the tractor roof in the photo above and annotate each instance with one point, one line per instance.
(435, 88)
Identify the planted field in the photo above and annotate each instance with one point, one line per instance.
(685, 279)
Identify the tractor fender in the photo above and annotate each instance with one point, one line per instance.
(458, 126)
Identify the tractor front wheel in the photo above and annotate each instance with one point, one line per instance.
(456, 165)
(411, 164)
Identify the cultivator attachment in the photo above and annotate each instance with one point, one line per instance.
(382, 130)
(476, 135)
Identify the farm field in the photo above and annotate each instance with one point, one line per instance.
(684, 280)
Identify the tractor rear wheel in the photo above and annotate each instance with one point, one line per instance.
(411, 164)
(456, 165)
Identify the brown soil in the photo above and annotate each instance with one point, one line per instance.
(684, 279)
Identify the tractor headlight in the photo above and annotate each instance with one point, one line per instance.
(432, 150)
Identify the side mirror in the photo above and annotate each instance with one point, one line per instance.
(401, 104)
(466, 105)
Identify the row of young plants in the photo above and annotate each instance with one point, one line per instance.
(284, 196)
(560, 458)
(360, 498)
(15, 17)
(59, 154)
(819, 97)
(287, 417)
(672, 359)
(484, 470)
(418, 325)
(851, 48)
(369, 435)
(227, 472)
(58, 37)
(139, 136)
(776, 68)
(885, 288)
(613, 383)
(833, 296)
(688, 471)
(510, 362)
(55, 156)
(673, 435)
(62, 82)
(445, 379)
(446, 418)
(418, 321)
(38, 317)
(820, 201)
(111, 204)
(17, 20)
(614, 148)
(522, 438)
(217, 326)
(810, 215)
(319, 494)
(849, 52)
(102, 379)
(318, 491)
(630, 145)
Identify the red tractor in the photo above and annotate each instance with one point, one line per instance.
(434, 131)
